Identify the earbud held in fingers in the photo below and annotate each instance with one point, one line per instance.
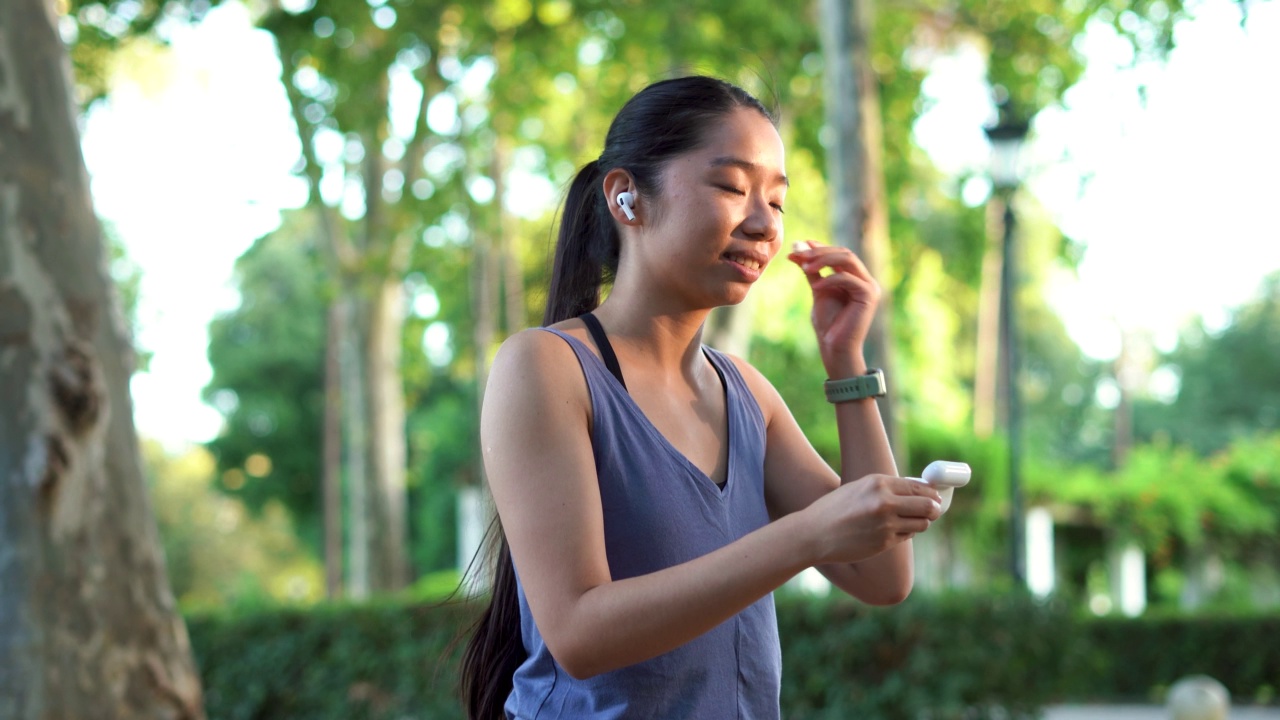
(625, 200)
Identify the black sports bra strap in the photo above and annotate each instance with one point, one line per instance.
(602, 343)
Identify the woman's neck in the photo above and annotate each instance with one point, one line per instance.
(668, 340)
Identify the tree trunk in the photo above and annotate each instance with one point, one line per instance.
(341, 397)
(387, 452)
(473, 507)
(512, 269)
(331, 451)
(357, 462)
(88, 625)
(368, 273)
(859, 216)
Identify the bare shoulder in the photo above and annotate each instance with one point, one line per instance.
(534, 348)
(533, 371)
(535, 424)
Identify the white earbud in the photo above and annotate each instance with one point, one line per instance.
(624, 201)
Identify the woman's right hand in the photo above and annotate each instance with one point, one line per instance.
(862, 519)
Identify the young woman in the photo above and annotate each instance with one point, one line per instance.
(653, 492)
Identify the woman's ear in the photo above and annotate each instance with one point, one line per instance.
(623, 197)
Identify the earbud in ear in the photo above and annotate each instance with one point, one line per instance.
(624, 201)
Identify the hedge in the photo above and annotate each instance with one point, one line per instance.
(341, 662)
(1137, 660)
(935, 657)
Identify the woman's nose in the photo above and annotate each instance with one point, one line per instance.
(764, 222)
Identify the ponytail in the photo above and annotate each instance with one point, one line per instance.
(586, 249)
(586, 256)
(496, 649)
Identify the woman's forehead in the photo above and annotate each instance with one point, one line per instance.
(744, 139)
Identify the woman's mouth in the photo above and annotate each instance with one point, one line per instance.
(747, 261)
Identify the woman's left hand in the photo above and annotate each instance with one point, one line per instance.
(844, 304)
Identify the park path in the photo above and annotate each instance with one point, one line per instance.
(1145, 712)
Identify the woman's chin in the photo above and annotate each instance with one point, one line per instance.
(731, 298)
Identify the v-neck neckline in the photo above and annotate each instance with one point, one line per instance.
(731, 433)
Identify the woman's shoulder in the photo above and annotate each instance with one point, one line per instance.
(534, 369)
(765, 394)
(753, 377)
(534, 349)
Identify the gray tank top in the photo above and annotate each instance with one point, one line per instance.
(660, 510)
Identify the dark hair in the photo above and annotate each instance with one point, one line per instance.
(664, 120)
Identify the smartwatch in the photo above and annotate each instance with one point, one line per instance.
(856, 388)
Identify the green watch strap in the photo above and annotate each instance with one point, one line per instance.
(856, 388)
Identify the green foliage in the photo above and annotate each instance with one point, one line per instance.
(267, 357)
(96, 31)
(939, 657)
(1137, 660)
(1229, 380)
(1167, 494)
(442, 442)
(338, 662)
(216, 552)
(1063, 423)
(951, 656)
(955, 656)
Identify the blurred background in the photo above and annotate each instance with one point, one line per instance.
(326, 215)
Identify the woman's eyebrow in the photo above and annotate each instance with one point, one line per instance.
(730, 161)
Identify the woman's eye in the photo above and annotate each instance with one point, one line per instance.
(778, 207)
(731, 189)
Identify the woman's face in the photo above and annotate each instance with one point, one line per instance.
(718, 220)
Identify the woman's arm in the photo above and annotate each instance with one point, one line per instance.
(796, 477)
(844, 303)
(536, 442)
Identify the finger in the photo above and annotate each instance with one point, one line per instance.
(919, 507)
(799, 259)
(845, 283)
(800, 254)
(913, 526)
(861, 269)
(846, 257)
(909, 487)
(837, 276)
(838, 259)
(841, 260)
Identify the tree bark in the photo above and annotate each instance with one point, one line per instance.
(859, 216)
(388, 454)
(509, 243)
(331, 451)
(473, 507)
(486, 267)
(357, 461)
(88, 625)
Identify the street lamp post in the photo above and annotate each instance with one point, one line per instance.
(1006, 145)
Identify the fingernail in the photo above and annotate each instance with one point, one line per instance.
(800, 246)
